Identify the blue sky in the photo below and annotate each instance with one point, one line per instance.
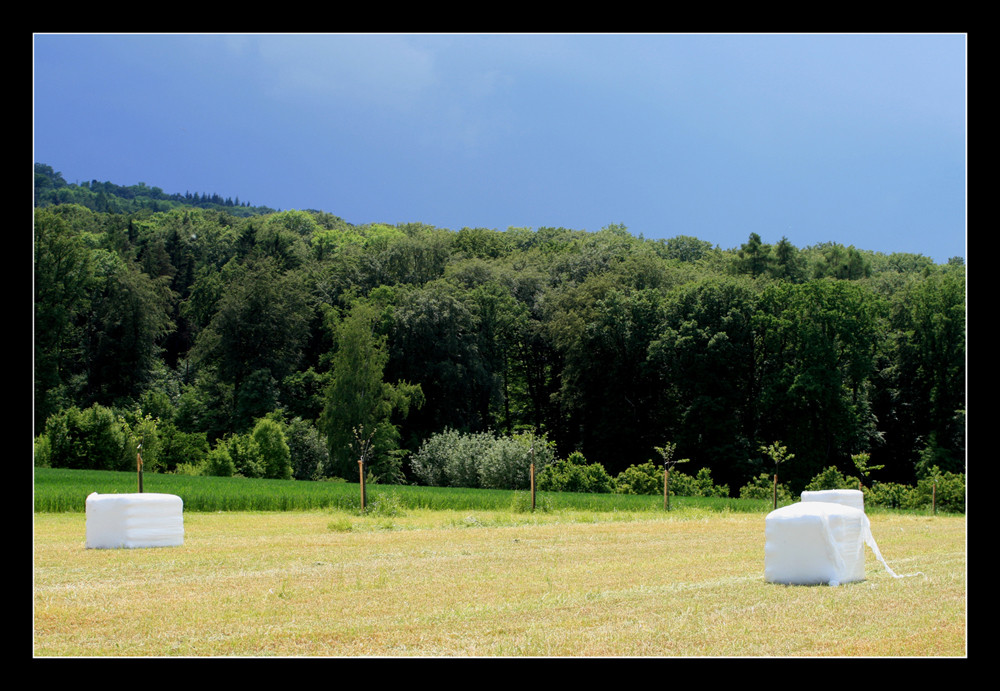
(852, 138)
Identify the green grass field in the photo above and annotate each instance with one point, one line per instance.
(408, 581)
(58, 490)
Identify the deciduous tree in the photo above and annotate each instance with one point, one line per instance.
(357, 397)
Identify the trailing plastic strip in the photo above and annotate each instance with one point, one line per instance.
(870, 541)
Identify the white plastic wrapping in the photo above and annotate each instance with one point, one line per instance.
(134, 520)
(847, 497)
(815, 542)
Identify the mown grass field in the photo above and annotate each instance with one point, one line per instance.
(481, 582)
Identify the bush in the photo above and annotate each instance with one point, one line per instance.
(831, 478)
(479, 460)
(762, 487)
(43, 452)
(309, 452)
(91, 439)
(947, 495)
(505, 465)
(450, 459)
(596, 479)
(276, 458)
(144, 430)
(682, 485)
(219, 463)
(574, 474)
(946, 490)
(704, 487)
(175, 448)
(646, 478)
(888, 495)
(242, 449)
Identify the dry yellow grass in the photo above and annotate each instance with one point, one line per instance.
(441, 584)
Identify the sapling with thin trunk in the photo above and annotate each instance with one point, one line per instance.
(667, 453)
(363, 447)
(861, 463)
(778, 454)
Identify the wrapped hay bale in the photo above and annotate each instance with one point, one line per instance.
(134, 520)
(846, 497)
(815, 542)
(820, 540)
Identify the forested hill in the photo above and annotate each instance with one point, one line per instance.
(201, 321)
(51, 188)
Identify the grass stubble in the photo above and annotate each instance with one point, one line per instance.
(482, 584)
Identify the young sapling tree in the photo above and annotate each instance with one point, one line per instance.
(778, 454)
(861, 463)
(667, 454)
(362, 446)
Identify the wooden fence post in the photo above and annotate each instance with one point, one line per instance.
(138, 465)
(361, 470)
(532, 477)
(532, 486)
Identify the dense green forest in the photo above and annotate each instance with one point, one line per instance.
(210, 329)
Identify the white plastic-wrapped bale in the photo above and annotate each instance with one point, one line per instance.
(847, 497)
(134, 520)
(814, 542)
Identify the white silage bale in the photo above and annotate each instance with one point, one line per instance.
(134, 520)
(811, 543)
(847, 497)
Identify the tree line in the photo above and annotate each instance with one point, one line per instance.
(605, 343)
(51, 188)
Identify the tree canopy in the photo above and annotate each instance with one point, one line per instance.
(210, 317)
